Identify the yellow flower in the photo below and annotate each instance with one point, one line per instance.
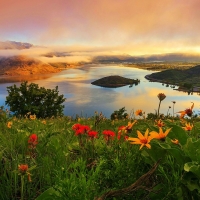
(142, 139)
(33, 116)
(9, 124)
(175, 141)
(187, 111)
(138, 112)
(188, 127)
(160, 135)
(159, 123)
(44, 121)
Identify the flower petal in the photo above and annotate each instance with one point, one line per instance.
(148, 146)
(146, 134)
(140, 136)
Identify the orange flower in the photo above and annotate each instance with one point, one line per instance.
(125, 129)
(44, 122)
(187, 111)
(188, 127)
(138, 112)
(159, 123)
(9, 124)
(142, 139)
(175, 141)
(32, 117)
(23, 168)
(160, 135)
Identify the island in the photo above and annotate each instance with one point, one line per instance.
(115, 81)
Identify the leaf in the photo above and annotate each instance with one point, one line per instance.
(178, 133)
(192, 167)
(192, 149)
(48, 194)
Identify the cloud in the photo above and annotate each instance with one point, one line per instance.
(133, 26)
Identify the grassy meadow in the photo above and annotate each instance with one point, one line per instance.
(139, 156)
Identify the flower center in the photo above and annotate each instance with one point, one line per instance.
(143, 141)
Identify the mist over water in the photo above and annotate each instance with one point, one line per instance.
(84, 99)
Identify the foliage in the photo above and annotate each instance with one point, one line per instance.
(30, 98)
(119, 114)
(85, 158)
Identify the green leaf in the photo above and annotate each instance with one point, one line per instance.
(192, 149)
(48, 194)
(178, 133)
(192, 167)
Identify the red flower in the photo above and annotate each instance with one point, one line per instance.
(80, 129)
(33, 140)
(187, 111)
(23, 168)
(108, 134)
(92, 134)
(76, 126)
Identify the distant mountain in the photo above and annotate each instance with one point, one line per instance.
(171, 57)
(14, 45)
(22, 65)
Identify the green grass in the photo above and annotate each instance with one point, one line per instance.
(63, 168)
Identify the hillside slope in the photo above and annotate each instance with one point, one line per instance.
(22, 65)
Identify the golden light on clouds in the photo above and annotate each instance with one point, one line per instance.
(133, 27)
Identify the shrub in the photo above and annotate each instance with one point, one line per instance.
(34, 99)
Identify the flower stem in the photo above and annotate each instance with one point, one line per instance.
(22, 187)
(158, 109)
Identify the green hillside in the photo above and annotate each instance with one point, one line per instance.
(189, 77)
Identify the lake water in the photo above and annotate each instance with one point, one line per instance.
(84, 99)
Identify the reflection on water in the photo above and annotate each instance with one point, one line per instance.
(84, 99)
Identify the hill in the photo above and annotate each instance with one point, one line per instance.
(114, 81)
(186, 79)
(22, 65)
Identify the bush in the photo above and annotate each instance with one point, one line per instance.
(34, 99)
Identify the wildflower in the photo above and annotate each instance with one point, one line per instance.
(160, 135)
(188, 127)
(142, 139)
(32, 117)
(33, 141)
(173, 102)
(175, 141)
(161, 96)
(92, 134)
(187, 111)
(80, 129)
(23, 168)
(138, 112)
(125, 129)
(9, 124)
(44, 121)
(108, 134)
(159, 123)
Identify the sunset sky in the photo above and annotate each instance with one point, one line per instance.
(135, 27)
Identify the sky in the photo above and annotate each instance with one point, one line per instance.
(134, 27)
